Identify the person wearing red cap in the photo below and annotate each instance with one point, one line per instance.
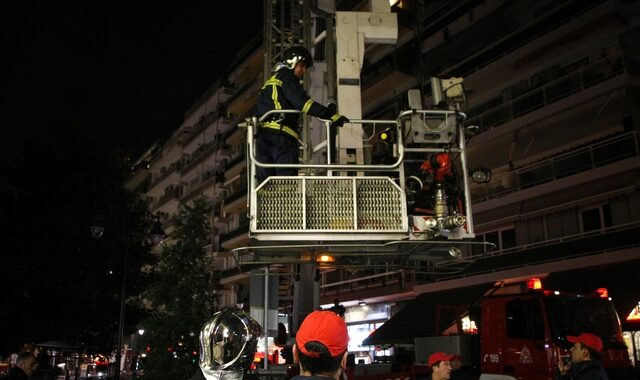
(440, 364)
(585, 359)
(321, 346)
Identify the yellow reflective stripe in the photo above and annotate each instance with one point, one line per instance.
(274, 83)
(276, 126)
(271, 81)
(335, 117)
(307, 105)
(274, 97)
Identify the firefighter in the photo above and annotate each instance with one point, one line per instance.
(321, 346)
(585, 359)
(278, 135)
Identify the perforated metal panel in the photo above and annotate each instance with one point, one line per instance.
(329, 204)
(279, 205)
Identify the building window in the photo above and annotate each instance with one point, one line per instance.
(508, 238)
(596, 218)
(503, 239)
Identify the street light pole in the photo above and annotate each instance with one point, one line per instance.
(123, 293)
(157, 236)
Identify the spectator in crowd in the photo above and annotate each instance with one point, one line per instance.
(25, 365)
(585, 359)
(440, 364)
(321, 346)
(457, 372)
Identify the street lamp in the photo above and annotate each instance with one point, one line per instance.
(157, 236)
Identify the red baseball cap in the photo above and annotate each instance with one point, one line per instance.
(324, 327)
(590, 340)
(439, 357)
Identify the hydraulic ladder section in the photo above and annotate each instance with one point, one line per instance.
(287, 23)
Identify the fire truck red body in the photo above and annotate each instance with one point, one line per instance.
(515, 333)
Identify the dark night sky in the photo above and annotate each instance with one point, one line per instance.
(126, 70)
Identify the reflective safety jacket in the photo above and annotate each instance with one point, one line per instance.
(284, 91)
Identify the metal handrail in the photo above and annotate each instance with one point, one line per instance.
(250, 134)
(360, 167)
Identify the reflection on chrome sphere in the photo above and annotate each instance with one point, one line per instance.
(228, 343)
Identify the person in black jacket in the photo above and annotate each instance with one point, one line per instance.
(278, 135)
(585, 359)
(457, 372)
(25, 365)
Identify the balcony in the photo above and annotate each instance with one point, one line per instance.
(612, 240)
(579, 160)
(166, 171)
(378, 282)
(529, 98)
(236, 162)
(198, 184)
(171, 193)
(203, 123)
(236, 201)
(199, 154)
(236, 238)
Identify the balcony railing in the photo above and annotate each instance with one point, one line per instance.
(381, 277)
(173, 168)
(241, 191)
(610, 150)
(198, 183)
(560, 88)
(199, 154)
(169, 195)
(608, 239)
(237, 157)
(205, 121)
(242, 229)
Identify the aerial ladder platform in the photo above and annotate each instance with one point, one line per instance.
(414, 206)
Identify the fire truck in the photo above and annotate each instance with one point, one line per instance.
(518, 331)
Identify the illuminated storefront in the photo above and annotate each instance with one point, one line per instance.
(631, 334)
(362, 320)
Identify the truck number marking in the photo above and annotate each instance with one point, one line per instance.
(491, 358)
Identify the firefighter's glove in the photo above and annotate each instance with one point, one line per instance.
(332, 108)
(338, 120)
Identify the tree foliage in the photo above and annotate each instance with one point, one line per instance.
(181, 295)
(59, 283)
